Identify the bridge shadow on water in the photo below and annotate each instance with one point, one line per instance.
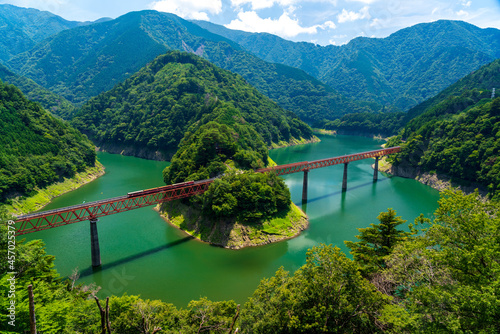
(319, 198)
(91, 270)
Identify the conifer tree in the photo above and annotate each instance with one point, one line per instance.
(377, 241)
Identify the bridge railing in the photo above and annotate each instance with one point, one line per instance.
(86, 211)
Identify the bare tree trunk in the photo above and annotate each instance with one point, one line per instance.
(32, 310)
(103, 316)
(235, 318)
(108, 324)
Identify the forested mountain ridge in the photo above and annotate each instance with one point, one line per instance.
(57, 105)
(23, 28)
(403, 69)
(36, 149)
(152, 110)
(457, 133)
(455, 98)
(82, 62)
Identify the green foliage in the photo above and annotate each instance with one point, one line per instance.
(36, 149)
(57, 105)
(246, 196)
(206, 152)
(81, 63)
(377, 241)
(448, 279)
(326, 295)
(444, 279)
(402, 70)
(23, 28)
(465, 146)
(385, 124)
(179, 92)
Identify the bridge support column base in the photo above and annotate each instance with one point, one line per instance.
(375, 170)
(94, 243)
(344, 180)
(304, 186)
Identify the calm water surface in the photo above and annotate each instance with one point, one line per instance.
(141, 254)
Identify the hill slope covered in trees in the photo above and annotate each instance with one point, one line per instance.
(54, 103)
(178, 92)
(82, 62)
(23, 28)
(36, 149)
(404, 69)
(455, 98)
(457, 133)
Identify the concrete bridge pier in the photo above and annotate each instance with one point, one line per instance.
(304, 186)
(375, 170)
(94, 243)
(344, 180)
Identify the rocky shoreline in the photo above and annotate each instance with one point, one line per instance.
(231, 234)
(438, 181)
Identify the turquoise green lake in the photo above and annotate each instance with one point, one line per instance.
(143, 255)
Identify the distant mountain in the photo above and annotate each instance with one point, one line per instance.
(403, 69)
(457, 133)
(36, 149)
(56, 104)
(22, 28)
(82, 62)
(148, 114)
(456, 98)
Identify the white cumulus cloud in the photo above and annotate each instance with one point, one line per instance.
(285, 26)
(348, 16)
(189, 9)
(261, 4)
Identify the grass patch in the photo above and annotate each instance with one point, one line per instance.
(230, 233)
(24, 205)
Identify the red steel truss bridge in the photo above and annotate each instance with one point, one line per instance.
(92, 210)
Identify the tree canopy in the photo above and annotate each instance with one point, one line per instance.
(36, 149)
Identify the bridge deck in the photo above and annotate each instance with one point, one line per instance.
(72, 214)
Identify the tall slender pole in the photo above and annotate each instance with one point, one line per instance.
(304, 186)
(94, 243)
(375, 170)
(344, 180)
(32, 310)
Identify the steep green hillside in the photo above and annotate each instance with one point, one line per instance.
(36, 149)
(403, 69)
(454, 99)
(81, 63)
(456, 133)
(178, 92)
(57, 105)
(464, 146)
(22, 28)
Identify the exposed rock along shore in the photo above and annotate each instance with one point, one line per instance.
(149, 154)
(438, 181)
(231, 234)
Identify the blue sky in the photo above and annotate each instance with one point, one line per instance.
(318, 21)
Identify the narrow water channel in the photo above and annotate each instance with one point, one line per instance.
(141, 254)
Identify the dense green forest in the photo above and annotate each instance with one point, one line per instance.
(36, 149)
(57, 105)
(465, 146)
(454, 99)
(219, 150)
(23, 28)
(403, 69)
(439, 279)
(83, 62)
(152, 110)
